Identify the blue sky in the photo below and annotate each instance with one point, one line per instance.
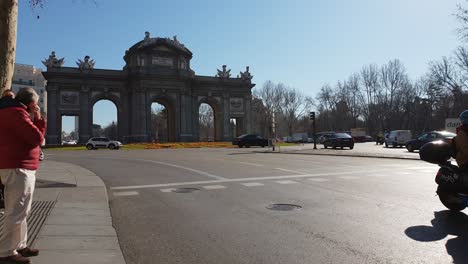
(302, 43)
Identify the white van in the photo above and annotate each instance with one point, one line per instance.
(397, 138)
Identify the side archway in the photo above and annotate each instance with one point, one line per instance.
(111, 129)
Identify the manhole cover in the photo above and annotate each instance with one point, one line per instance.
(284, 207)
(185, 190)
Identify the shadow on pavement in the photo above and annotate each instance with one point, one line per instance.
(445, 223)
(245, 153)
(53, 184)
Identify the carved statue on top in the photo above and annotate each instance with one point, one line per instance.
(225, 74)
(147, 36)
(176, 42)
(53, 62)
(246, 76)
(87, 64)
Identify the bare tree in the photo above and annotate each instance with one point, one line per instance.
(462, 17)
(371, 89)
(325, 103)
(206, 121)
(461, 58)
(446, 75)
(271, 95)
(294, 105)
(159, 131)
(392, 78)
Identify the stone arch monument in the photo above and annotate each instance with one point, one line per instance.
(156, 70)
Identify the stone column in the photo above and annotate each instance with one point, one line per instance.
(178, 115)
(227, 118)
(195, 115)
(53, 134)
(142, 115)
(85, 119)
(186, 124)
(139, 115)
(248, 114)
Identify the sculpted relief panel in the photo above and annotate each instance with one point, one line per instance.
(236, 106)
(69, 98)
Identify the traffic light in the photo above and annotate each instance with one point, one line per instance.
(312, 116)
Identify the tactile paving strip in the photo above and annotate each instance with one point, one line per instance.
(39, 212)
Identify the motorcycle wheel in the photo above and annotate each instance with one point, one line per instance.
(449, 201)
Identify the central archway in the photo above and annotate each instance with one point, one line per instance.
(162, 121)
(212, 110)
(206, 123)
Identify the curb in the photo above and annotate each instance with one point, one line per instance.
(342, 155)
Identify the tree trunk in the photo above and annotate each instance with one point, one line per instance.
(8, 27)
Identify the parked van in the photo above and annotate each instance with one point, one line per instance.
(397, 138)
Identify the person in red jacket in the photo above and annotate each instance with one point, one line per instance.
(20, 138)
(11, 94)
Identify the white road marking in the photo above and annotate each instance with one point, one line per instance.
(349, 177)
(252, 184)
(253, 164)
(286, 182)
(290, 171)
(214, 187)
(242, 180)
(167, 190)
(170, 165)
(318, 179)
(419, 168)
(125, 193)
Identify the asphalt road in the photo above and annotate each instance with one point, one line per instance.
(354, 210)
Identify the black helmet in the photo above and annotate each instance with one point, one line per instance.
(436, 152)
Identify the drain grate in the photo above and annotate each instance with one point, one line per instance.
(185, 190)
(284, 207)
(39, 212)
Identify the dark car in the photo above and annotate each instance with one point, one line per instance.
(341, 140)
(416, 144)
(248, 140)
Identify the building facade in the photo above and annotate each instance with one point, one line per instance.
(30, 76)
(156, 70)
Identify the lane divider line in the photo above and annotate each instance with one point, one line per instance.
(133, 187)
(214, 187)
(287, 182)
(252, 184)
(130, 193)
(170, 165)
(247, 163)
(167, 190)
(299, 172)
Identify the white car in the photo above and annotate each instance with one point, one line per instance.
(102, 142)
(69, 142)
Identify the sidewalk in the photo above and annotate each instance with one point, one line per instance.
(79, 227)
(360, 150)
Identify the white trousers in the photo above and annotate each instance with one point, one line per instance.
(19, 189)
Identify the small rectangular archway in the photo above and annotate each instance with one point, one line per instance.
(70, 129)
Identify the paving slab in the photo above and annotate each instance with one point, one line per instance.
(80, 257)
(77, 230)
(79, 227)
(74, 220)
(80, 212)
(57, 243)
